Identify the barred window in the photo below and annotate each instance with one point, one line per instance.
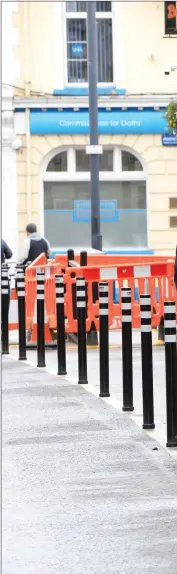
(82, 6)
(170, 17)
(77, 64)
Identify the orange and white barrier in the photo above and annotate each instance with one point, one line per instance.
(33, 338)
(150, 276)
(13, 311)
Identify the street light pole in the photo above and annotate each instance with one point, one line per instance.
(96, 238)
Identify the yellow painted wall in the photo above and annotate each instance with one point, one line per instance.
(41, 44)
(145, 50)
(138, 33)
(161, 165)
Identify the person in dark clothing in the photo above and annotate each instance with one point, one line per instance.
(33, 246)
(175, 270)
(6, 252)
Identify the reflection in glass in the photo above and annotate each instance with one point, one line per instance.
(130, 162)
(105, 160)
(58, 163)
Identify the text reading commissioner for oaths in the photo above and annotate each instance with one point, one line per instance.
(101, 123)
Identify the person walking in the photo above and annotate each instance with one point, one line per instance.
(33, 245)
(6, 252)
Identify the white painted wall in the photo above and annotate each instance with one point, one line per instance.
(9, 178)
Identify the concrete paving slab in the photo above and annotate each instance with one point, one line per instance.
(84, 491)
(115, 355)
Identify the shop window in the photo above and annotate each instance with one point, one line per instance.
(67, 201)
(83, 161)
(106, 160)
(170, 17)
(130, 162)
(58, 196)
(63, 228)
(173, 222)
(77, 63)
(58, 163)
(173, 203)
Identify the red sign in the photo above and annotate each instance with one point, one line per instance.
(172, 11)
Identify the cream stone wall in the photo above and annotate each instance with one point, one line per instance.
(140, 50)
(145, 49)
(41, 50)
(161, 165)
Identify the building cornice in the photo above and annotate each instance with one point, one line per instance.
(130, 101)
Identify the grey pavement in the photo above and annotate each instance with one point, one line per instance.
(84, 491)
(115, 363)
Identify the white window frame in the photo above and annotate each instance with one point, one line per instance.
(72, 175)
(79, 16)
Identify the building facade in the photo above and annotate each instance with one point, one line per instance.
(9, 166)
(138, 166)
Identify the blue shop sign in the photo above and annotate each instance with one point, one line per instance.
(169, 139)
(109, 122)
(77, 49)
(82, 211)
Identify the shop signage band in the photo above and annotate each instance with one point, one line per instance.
(109, 122)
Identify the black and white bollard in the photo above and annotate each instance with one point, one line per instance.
(21, 313)
(5, 308)
(40, 320)
(61, 347)
(104, 339)
(81, 325)
(127, 360)
(171, 372)
(147, 363)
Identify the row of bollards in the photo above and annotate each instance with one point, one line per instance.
(5, 299)
(127, 350)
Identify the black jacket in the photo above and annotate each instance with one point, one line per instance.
(175, 270)
(32, 247)
(6, 252)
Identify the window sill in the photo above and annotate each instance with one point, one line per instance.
(170, 35)
(82, 89)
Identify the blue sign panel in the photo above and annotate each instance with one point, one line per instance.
(77, 49)
(82, 211)
(169, 139)
(114, 122)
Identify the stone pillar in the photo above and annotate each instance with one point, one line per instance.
(9, 183)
